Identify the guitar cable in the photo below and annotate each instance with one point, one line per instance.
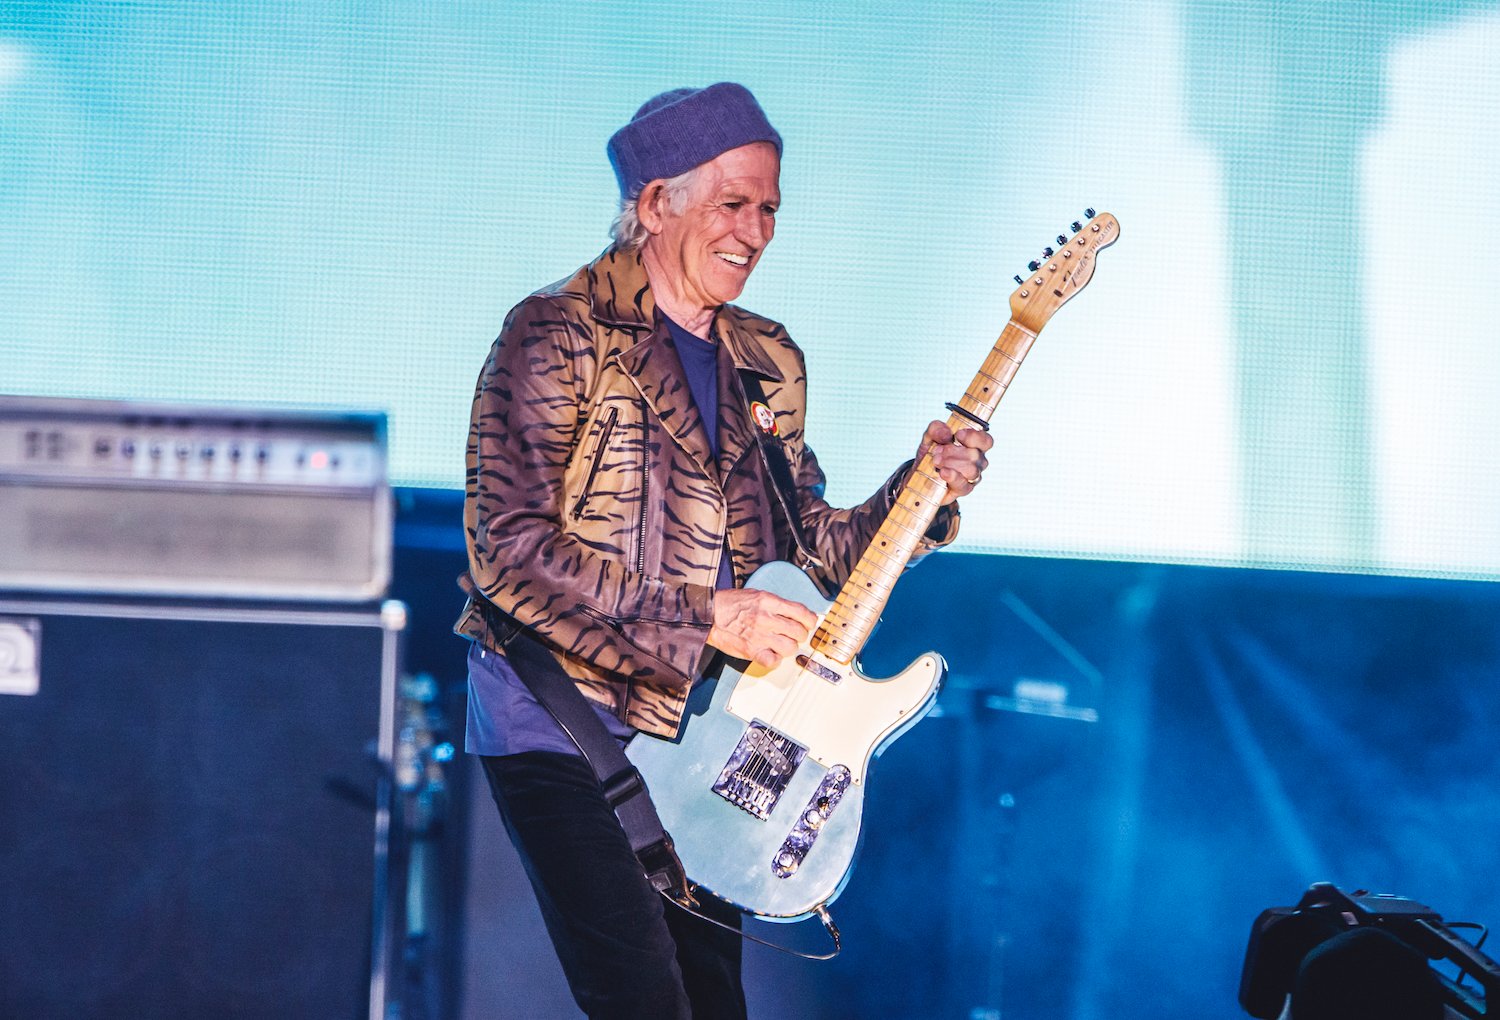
(820, 910)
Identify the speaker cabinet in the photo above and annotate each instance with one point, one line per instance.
(194, 810)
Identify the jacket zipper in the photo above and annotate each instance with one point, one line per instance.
(599, 450)
(640, 551)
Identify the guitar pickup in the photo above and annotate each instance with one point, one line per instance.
(800, 840)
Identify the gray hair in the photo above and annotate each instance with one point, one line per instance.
(628, 231)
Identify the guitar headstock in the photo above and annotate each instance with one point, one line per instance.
(1059, 275)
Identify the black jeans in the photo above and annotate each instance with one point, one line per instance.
(626, 951)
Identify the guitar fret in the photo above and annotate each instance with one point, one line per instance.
(868, 592)
(853, 612)
(872, 575)
(900, 527)
(982, 404)
(913, 533)
(865, 582)
(855, 628)
(896, 564)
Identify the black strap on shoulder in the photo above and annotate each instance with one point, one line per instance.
(620, 780)
(773, 456)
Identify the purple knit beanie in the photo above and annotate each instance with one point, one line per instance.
(677, 130)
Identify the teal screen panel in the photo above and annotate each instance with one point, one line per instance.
(1288, 359)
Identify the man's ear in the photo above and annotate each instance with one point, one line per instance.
(650, 206)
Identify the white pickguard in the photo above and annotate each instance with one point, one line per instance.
(843, 723)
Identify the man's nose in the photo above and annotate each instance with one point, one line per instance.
(755, 228)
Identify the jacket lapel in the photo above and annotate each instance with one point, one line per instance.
(654, 367)
(738, 352)
(621, 297)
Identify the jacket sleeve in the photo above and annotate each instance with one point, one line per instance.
(528, 405)
(839, 536)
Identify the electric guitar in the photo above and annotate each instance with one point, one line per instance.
(763, 789)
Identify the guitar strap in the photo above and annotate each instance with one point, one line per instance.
(620, 780)
(623, 786)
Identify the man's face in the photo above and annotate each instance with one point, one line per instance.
(706, 250)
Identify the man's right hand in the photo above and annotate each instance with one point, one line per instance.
(756, 625)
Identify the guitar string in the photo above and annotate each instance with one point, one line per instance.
(803, 701)
(794, 709)
(786, 717)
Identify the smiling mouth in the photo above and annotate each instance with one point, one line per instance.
(734, 258)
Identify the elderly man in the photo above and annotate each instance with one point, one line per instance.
(615, 506)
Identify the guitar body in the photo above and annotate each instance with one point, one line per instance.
(763, 790)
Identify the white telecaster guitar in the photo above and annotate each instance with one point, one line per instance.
(763, 790)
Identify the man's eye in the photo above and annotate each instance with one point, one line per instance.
(733, 206)
(769, 210)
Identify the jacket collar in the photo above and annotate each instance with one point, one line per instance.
(620, 295)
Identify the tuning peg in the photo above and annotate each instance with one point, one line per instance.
(1077, 226)
(1047, 253)
(1017, 278)
(1033, 265)
(1062, 238)
(1089, 213)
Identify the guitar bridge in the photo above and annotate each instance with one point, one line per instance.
(758, 770)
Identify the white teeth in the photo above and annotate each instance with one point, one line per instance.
(729, 256)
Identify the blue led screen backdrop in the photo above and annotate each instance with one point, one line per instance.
(1288, 360)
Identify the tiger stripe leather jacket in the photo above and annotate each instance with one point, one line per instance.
(596, 516)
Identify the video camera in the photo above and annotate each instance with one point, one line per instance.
(1282, 936)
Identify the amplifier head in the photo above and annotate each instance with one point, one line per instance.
(213, 501)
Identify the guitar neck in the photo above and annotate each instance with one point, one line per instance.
(848, 624)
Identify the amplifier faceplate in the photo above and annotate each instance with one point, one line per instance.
(124, 498)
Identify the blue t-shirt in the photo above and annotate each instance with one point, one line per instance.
(700, 363)
(504, 717)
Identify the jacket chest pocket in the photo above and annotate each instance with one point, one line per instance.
(609, 503)
(596, 460)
